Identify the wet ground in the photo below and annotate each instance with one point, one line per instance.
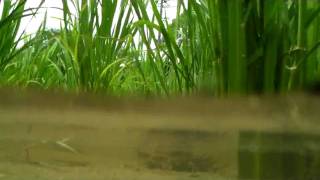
(74, 138)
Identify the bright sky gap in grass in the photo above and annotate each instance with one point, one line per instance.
(31, 24)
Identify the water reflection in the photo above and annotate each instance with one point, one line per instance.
(283, 156)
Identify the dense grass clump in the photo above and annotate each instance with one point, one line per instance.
(118, 47)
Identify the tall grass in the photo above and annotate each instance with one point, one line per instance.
(240, 46)
(216, 46)
(96, 41)
(10, 19)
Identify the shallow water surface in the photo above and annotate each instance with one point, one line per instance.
(44, 137)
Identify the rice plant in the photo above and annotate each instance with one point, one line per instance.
(213, 46)
(241, 47)
(10, 19)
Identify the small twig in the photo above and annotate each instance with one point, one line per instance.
(62, 143)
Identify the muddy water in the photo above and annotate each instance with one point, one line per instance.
(46, 137)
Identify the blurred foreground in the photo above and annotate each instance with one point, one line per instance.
(80, 138)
